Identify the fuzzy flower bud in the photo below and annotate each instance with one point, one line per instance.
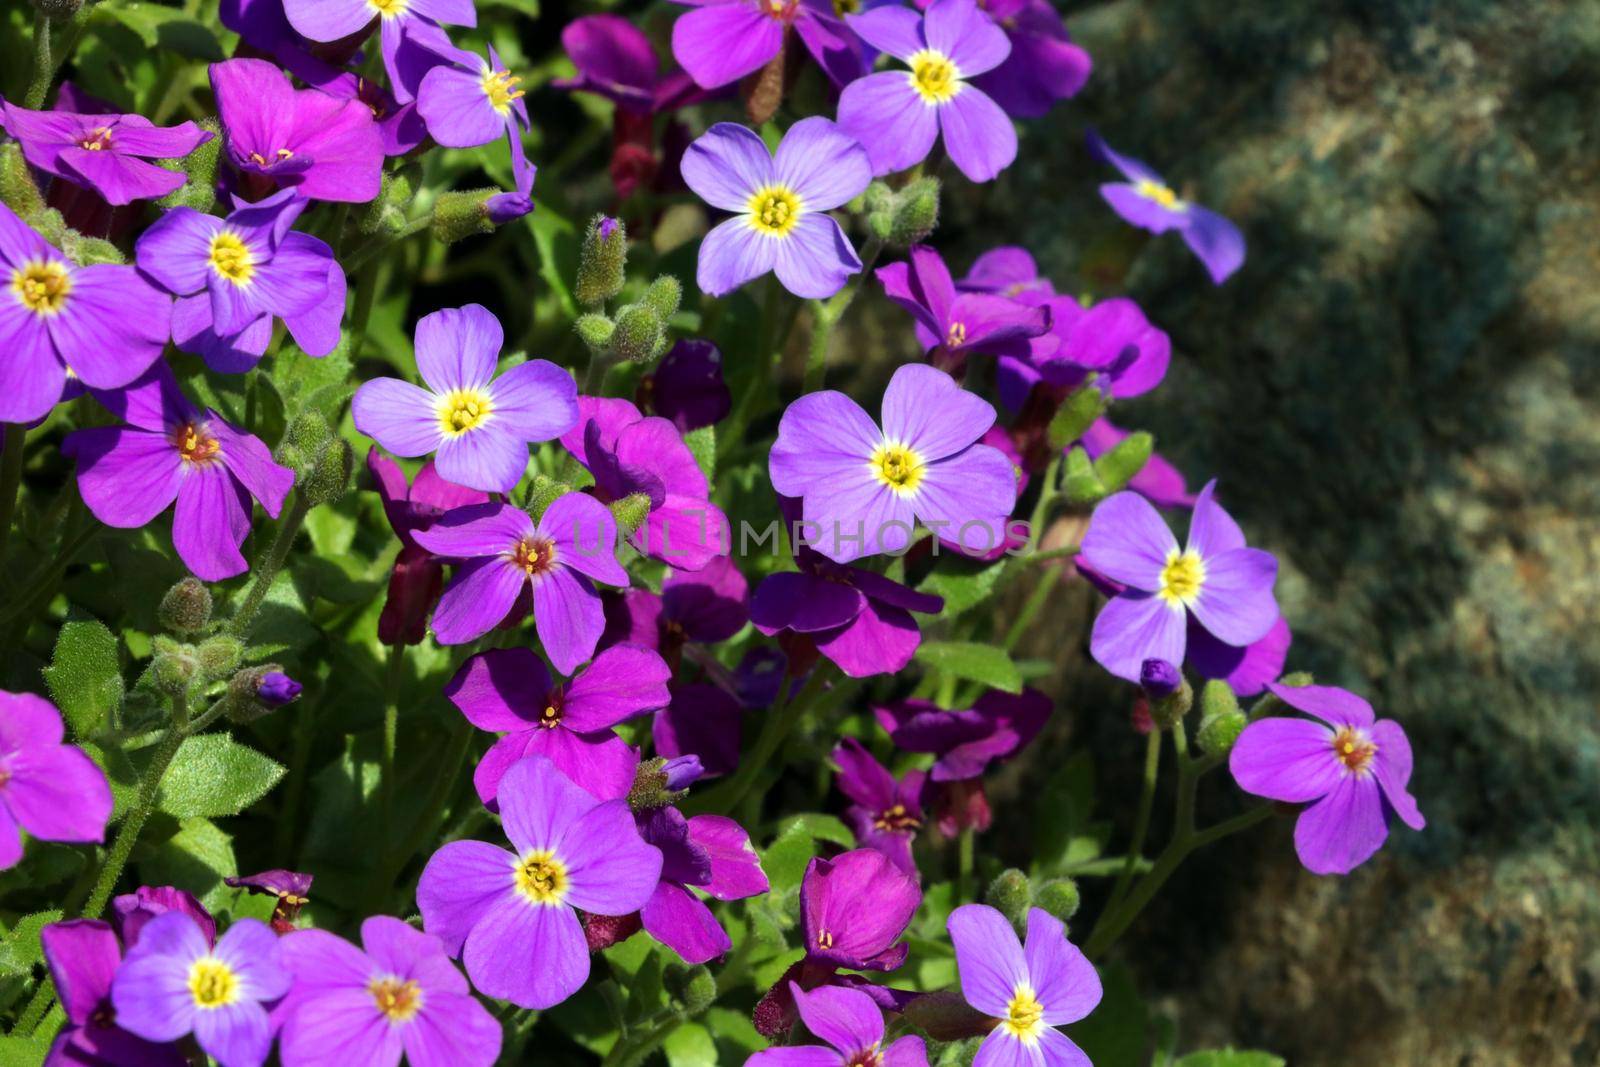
(664, 296)
(653, 784)
(219, 655)
(57, 10)
(1217, 699)
(1168, 692)
(388, 211)
(1059, 897)
(256, 691)
(639, 335)
(630, 513)
(457, 215)
(17, 188)
(603, 264)
(275, 689)
(1011, 894)
(1127, 458)
(331, 475)
(543, 493)
(916, 212)
(1217, 733)
(199, 190)
(693, 987)
(595, 330)
(173, 667)
(682, 772)
(186, 609)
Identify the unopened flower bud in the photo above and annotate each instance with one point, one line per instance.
(595, 330)
(457, 215)
(275, 689)
(1217, 733)
(331, 476)
(1125, 459)
(1059, 897)
(17, 188)
(916, 212)
(543, 493)
(878, 196)
(881, 223)
(218, 656)
(1011, 894)
(387, 212)
(664, 296)
(57, 10)
(652, 786)
(1076, 414)
(89, 251)
(303, 441)
(199, 189)
(173, 667)
(1167, 691)
(603, 263)
(256, 691)
(630, 513)
(638, 336)
(1079, 483)
(1217, 699)
(693, 987)
(682, 772)
(186, 609)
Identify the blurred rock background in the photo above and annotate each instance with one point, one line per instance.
(1398, 395)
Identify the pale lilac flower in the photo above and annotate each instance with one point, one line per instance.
(51, 790)
(471, 101)
(398, 22)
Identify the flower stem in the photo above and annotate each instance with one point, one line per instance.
(444, 785)
(1141, 822)
(43, 69)
(826, 315)
(964, 849)
(10, 482)
(780, 721)
(391, 729)
(282, 541)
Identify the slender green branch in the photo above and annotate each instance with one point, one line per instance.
(783, 717)
(1141, 822)
(10, 481)
(393, 676)
(826, 315)
(444, 784)
(43, 69)
(267, 572)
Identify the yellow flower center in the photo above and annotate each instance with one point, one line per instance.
(824, 939)
(535, 555)
(956, 336)
(462, 410)
(1161, 194)
(501, 88)
(896, 818)
(551, 717)
(1182, 578)
(98, 140)
(897, 466)
(777, 9)
(1354, 748)
(212, 984)
(389, 8)
(42, 285)
(1024, 1015)
(232, 258)
(866, 1057)
(774, 210)
(195, 445)
(934, 76)
(542, 878)
(397, 1000)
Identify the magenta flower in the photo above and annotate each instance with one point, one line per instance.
(291, 888)
(701, 720)
(478, 425)
(720, 41)
(687, 387)
(852, 1025)
(1112, 340)
(1008, 270)
(508, 691)
(863, 489)
(234, 276)
(105, 324)
(471, 100)
(502, 208)
(628, 453)
(897, 115)
(616, 60)
(1044, 65)
(168, 450)
(960, 323)
(131, 911)
(1247, 670)
(1159, 481)
(1148, 202)
(781, 203)
(327, 147)
(398, 20)
(106, 154)
(49, 789)
(704, 606)
(510, 916)
(398, 994)
(83, 956)
(174, 983)
(1029, 989)
(709, 853)
(505, 553)
(418, 575)
(885, 813)
(1224, 585)
(1350, 768)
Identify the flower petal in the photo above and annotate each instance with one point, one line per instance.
(535, 401)
(477, 599)
(1128, 541)
(459, 884)
(210, 523)
(533, 955)
(1062, 977)
(126, 476)
(989, 958)
(1335, 706)
(1131, 629)
(981, 139)
(893, 30)
(1342, 830)
(1236, 603)
(488, 457)
(58, 794)
(894, 125)
(720, 43)
(401, 417)
(539, 806)
(1392, 766)
(457, 348)
(1216, 241)
(815, 259)
(733, 253)
(964, 32)
(681, 921)
(821, 164)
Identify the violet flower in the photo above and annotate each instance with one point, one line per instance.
(687, 386)
(628, 453)
(1247, 670)
(781, 202)
(959, 323)
(471, 101)
(174, 983)
(706, 606)
(701, 720)
(83, 956)
(103, 153)
(291, 888)
(104, 323)
(326, 147)
(397, 995)
(502, 208)
(510, 916)
(1350, 768)
(864, 488)
(335, 20)
(1044, 65)
(508, 691)
(897, 115)
(234, 276)
(505, 553)
(168, 450)
(852, 1025)
(886, 812)
(1112, 340)
(720, 41)
(1146, 201)
(1028, 989)
(131, 911)
(51, 790)
(615, 59)
(478, 425)
(1008, 270)
(1224, 585)
(709, 853)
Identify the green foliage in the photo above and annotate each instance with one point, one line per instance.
(972, 662)
(213, 775)
(1229, 1058)
(85, 675)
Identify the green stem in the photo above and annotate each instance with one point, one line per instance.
(826, 316)
(209, 716)
(391, 728)
(363, 254)
(267, 572)
(1035, 603)
(1141, 822)
(444, 785)
(964, 858)
(635, 1047)
(10, 481)
(43, 69)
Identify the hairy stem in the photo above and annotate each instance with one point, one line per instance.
(43, 69)
(267, 572)
(826, 315)
(10, 482)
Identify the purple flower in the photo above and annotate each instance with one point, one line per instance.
(687, 387)
(1350, 769)
(959, 323)
(1030, 989)
(170, 450)
(334, 20)
(853, 909)
(83, 955)
(710, 853)
(708, 605)
(1247, 670)
(49, 789)
(509, 915)
(508, 691)
(681, 772)
(885, 812)
(781, 201)
(104, 153)
(1224, 585)
(292, 888)
(1044, 65)
(418, 576)
(616, 60)
(130, 911)
(720, 41)
(402, 995)
(1146, 201)
(105, 324)
(275, 689)
(234, 276)
(502, 208)
(852, 1024)
(1112, 339)
(628, 453)
(173, 983)
(506, 553)
(1009, 271)
(326, 147)
(1159, 679)
(898, 115)
(1158, 481)
(701, 720)
(472, 100)
(480, 426)
(858, 618)
(863, 488)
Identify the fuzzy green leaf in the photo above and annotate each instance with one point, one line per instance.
(984, 664)
(84, 676)
(213, 775)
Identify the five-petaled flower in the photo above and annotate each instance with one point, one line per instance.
(49, 789)
(852, 1025)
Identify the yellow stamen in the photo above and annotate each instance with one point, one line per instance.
(1354, 748)
(212, 983)
(501, 88)
(98, 140)
(1182, 578)
(896, 818)
(231, 257)
(42, 285)
(1024, 1015)
(824, 939)
(195, 445)
(535, 555)
(551, 717)
(463, 409)
(897, 467)
(957, 335)
(398, 1001)
(774, 210)
(542, 878)
(934, 76)
(1161, 194)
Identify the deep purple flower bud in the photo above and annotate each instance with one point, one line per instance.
(607, 227)
(275, 689)
(1159, 678)
(130, 911)
(682, 772)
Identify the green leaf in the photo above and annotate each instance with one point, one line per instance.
(557, 242)
(196, 858)
(963, 585)
(690, 1045)
(734, 1032)
(1230, 1058)
(168, 27)
(1117, 1033)
(20, 950)
(1127, 458)
(85, 676)
(825, 828)
(984, 664)
(213, 775)
(703, 445)
(27, 1051)
(1075, 416)
(786, 858)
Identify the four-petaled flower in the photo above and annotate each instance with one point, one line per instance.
(852, 1025)
(399, 22)
(886, 812)
(472, 100)
(720, 41)
(49, 789)
(108, 154)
